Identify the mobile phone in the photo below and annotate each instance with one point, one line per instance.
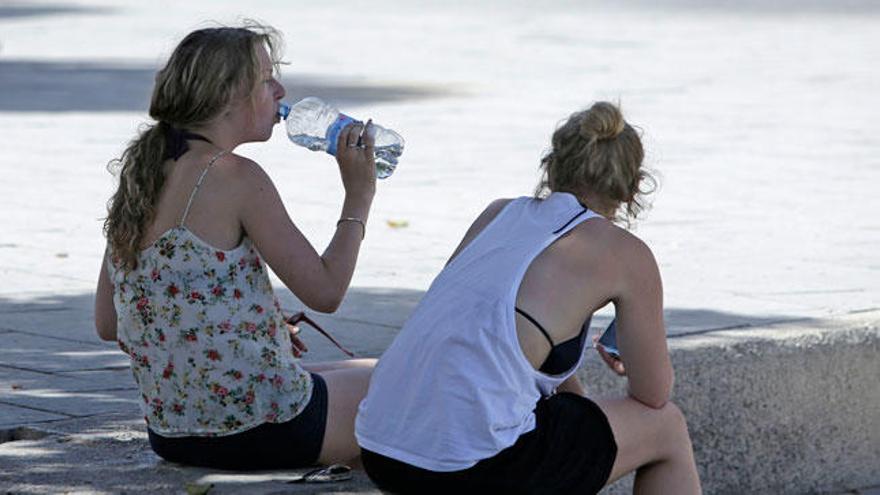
(608, 340)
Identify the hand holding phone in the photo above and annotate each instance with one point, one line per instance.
(606, 345)
(608, 340)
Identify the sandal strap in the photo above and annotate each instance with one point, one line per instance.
(328, 474)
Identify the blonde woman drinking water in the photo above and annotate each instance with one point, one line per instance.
(184, 286)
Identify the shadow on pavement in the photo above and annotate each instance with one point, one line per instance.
(56, 376)
(18, 10)
(92, 86)
(53, 367)
(111, 454)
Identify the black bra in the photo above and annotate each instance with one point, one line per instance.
(564, 355)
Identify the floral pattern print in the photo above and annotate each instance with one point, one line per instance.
(204, 332)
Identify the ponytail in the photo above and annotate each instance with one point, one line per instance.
(132, 208)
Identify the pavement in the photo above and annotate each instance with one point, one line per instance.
(758, 119)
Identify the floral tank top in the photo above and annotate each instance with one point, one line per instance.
(209, 348)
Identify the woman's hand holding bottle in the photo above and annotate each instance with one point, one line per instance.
(356, 159)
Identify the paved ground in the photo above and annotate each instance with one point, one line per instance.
(759, 120)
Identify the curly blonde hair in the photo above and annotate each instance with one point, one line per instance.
(597, 154)
(208, 70)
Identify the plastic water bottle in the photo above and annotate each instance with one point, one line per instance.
(313, 124)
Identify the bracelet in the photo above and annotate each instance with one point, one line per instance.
(353, 219)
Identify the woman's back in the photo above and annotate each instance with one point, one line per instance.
(209, 347)
(464, 336)
(565, 284)
(478, 393)
(213, 214)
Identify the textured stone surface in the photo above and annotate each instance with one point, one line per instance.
(790, 408)
(12, 416)
(110, 454)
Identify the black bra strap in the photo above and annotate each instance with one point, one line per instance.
(176, 141)
(535, 322)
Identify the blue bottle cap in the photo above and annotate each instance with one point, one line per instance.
(283, 110)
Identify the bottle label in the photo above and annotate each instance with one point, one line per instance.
(334, 130)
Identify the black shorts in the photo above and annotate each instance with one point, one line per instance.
(571, 450)
(290, 445)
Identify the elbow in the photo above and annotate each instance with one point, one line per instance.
(655, 397)
(327, 302)
(105, 325)
(106, 331)
(329, 306)
(654, 400)
(322, 293)
(653, 403)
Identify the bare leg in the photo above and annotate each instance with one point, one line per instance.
(654, 443)
(323, 366)
(572, 385)
(346, 387)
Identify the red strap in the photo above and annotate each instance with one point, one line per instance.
(301, 316)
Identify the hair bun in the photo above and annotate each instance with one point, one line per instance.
(602, 121)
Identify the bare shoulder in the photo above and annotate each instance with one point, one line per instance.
(242, 176)
(619, 246)
(485, 218)
(493, 209)
(629, 244)
(499, 204)
(632, 252)
(239, 168)
(633, 261)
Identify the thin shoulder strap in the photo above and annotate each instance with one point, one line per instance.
(535, 322)
(199, 184)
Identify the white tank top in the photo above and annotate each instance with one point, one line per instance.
(455, 387)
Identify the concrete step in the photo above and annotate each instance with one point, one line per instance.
(789, 408)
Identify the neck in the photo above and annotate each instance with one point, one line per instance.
(221, 134)
(598, 205)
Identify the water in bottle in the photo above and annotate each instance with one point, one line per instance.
(313, 124)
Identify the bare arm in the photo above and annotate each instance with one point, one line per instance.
(479, 224)
(320, 281)
(105, 313)
(641, 331)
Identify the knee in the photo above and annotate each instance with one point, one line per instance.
(368, 363)
(674, 424)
